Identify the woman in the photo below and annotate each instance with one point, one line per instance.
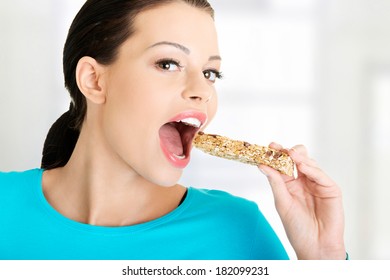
(141, 77)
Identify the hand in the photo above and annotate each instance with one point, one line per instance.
(309, 206)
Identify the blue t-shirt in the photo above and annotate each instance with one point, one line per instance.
(209, 224)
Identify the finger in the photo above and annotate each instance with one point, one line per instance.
(315, 174)
(276, 146)
(278, 186)
(301, 149)
(299, 155)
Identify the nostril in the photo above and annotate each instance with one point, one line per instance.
(200, 98)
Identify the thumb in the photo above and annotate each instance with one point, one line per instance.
(281, 194)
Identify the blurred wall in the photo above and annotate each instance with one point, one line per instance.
(315, 72)
(32, 95)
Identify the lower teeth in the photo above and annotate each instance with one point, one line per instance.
(180, 157)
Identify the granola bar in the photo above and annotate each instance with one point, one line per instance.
(244, 152)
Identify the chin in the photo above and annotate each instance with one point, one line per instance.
(168, 178)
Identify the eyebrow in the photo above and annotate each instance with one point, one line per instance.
(182, 48)
(176, 45)
(215, 57)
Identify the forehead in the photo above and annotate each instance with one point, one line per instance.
(177, 22)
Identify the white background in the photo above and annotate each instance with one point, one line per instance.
(315, 72)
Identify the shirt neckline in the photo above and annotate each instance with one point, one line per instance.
(57, 217)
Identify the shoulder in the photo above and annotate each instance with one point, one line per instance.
(220, 196)
(243, 222)
(225, 203)
(16, 179)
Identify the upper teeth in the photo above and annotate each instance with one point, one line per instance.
(192, 122)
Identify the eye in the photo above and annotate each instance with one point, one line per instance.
(170, 65)
(212, 75)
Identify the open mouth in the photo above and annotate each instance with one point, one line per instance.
(176, 139)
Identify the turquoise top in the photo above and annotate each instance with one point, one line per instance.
(209, 224)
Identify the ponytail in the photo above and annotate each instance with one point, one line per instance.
(60, 142)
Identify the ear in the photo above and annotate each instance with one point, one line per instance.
(89, 79)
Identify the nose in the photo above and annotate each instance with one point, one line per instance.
(198, 89)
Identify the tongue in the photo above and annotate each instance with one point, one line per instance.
(171, 139)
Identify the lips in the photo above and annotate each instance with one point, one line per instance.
(176, 137)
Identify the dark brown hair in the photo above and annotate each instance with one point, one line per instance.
(98, 31)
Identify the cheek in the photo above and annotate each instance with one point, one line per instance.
(121, 116)
(212, 108)
(129, 98)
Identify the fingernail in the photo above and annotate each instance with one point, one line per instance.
(262, 171)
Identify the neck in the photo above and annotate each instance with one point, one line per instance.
(95, 187)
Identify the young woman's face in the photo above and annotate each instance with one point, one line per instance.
(160, 90)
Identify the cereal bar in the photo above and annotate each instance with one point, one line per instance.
(242, 151)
